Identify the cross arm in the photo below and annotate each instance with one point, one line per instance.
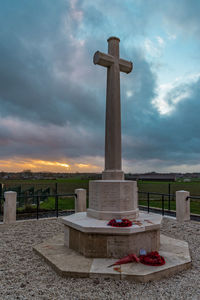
(103, 59)
(125, 66)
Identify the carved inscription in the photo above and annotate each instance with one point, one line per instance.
(127, 201)
(94, 196)
(112, 196)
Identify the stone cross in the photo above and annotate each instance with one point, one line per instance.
(114, 64)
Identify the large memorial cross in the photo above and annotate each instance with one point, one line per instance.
(114, 64)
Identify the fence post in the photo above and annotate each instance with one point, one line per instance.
(1, 197)
(1, 189)
(148, 202)
(56, 199)
(182, 206)
(169, 198)
(9, 212)
(80, 200)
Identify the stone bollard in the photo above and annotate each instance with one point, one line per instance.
(182, 206)
(9, 212)
(80, 201)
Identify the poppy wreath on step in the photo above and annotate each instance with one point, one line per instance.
(120, 223)
(152, 259)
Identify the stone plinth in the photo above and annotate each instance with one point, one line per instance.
(113, 175)
(110, 199)
(94, 238)
(70, 263)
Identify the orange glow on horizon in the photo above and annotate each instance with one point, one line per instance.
(37, 165)
(82, 165)
(51, 163)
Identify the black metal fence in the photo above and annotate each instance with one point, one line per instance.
(31, 203)
(166, 204)
(30, 198)
(37, 199)
(193, 197)
(158, 197)
(195, 217)
(1, 207)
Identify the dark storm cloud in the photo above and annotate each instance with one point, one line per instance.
(52, 97)
(49, 142)
(47, 77)
(33, 49)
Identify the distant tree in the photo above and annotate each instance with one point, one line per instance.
(27, 172)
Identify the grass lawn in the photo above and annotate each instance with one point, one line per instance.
(194, 205)
(70, 184)
(63, 203)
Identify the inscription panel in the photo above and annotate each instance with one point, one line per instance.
(93, 196)
(110, 198)
(113, 195)
(127, 200)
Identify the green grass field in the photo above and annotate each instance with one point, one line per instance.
(63, 203)
(69, 186)
(163, 187)
(194, 205)
(63, 185)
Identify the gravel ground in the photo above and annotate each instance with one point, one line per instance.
(24, 275)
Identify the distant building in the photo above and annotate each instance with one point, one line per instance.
(152, 177)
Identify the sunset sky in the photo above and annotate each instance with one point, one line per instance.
(52, 96)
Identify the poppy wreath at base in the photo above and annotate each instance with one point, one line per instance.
(152, 259)
(120, 223)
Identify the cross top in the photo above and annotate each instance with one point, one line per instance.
(114, 65)
(106, 60)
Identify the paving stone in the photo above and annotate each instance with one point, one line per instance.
(68, 262)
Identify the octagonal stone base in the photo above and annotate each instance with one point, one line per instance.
(69, 263)
(94, 238)
(110, 199)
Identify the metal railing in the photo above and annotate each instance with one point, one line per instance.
(162, 208)
(193, 197)
(162, 199)
(40, 196)
(149, 196)
(1, 207)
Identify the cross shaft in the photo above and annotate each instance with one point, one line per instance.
(114, 64)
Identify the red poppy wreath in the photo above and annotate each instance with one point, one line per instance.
(152, 259)
(120, 223)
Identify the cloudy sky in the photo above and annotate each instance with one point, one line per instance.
(52, 96)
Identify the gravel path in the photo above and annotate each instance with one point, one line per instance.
(23, 275)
